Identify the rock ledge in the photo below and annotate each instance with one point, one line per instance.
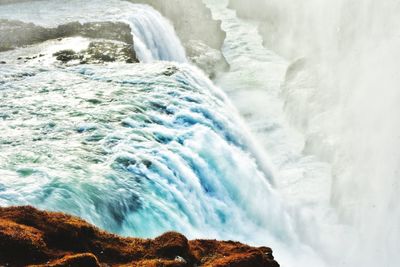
(39, 238)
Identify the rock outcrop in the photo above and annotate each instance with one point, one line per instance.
(274, 27)
(16, 33)
(39, 238)
(99, 52)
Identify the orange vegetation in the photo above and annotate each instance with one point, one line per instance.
(39, 238)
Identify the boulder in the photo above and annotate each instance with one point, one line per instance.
(99, 52)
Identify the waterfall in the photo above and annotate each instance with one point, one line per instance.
(341, 93)
(140, 149)
(136, 149)
(346, 99)
(167, 154)
(149, 27)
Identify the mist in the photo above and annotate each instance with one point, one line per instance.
(342, 92)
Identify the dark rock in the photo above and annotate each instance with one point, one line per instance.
(100, 52)
(66, 55)
(3, 62)
(170, 71)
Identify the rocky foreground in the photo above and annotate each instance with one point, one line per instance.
(32, 237)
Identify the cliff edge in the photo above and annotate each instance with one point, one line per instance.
(40, 238)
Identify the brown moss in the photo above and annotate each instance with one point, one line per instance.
(20, 241)
(77, 260)
(29, 236)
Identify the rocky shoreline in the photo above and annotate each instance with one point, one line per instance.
(32, 237)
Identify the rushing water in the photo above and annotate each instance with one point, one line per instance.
(254, 85)
(137, 149)
(149, 28)
(343, 99)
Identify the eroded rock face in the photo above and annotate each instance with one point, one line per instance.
(201, 35)
(210, 60)
(192, 20)
(275, 27)
(29, 236)
(16, 33)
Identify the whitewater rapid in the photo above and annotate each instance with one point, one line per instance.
(136, 149)
(329, 122)
(140, 149)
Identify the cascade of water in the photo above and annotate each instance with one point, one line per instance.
(169, 153)
(350, 118)
(154, 36)
(343, 97)
(166, 155)
(157, 35)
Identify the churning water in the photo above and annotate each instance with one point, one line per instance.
(140, 149)
(341, 99)
(136, 149)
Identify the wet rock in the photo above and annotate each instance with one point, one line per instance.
(170, 71)
(16, 33)
(210, 60)
(99, 52)
(29, 236)
(110, 52)
(66, 55)
(180, 259)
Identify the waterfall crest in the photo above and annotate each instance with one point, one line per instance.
(154, 36)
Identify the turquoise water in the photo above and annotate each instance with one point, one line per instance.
(139, 149)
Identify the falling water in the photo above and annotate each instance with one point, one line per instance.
(149, 28)
(136, 149)
(341, 93)
(145, 148)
